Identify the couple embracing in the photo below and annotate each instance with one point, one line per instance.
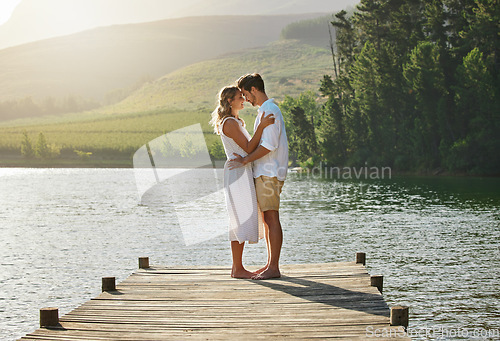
(254, 173)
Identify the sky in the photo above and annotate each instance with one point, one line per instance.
(6, 9)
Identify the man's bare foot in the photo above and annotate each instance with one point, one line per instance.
(267, 274)
(261, 270)
(242, 273)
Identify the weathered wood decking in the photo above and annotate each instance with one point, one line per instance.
(332, 300)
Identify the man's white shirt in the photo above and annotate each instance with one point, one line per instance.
(274, 163)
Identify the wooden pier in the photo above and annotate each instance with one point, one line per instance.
(310, 301)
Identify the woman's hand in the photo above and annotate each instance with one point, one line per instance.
(266, 120)
(237, 162)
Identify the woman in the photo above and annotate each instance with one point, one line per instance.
(245, 219)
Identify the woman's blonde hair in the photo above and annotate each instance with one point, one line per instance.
(223, 109)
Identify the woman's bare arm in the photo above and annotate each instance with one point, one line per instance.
(231, 129)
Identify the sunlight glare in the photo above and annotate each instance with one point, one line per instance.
(6, 9)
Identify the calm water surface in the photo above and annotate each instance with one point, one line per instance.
(435, 240)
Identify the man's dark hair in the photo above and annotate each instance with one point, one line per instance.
(247, 81)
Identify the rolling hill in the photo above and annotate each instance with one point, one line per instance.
(93, 63)
(287, 66)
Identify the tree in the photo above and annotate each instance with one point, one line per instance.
(345, 43)
(216, 150)
(332, 133)
(303, 138)
(299, 115)
(478, 107)
(416, 86)
(426, 81)
(42, 150)
(26, 146)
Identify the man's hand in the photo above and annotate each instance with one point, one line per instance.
(237, 162)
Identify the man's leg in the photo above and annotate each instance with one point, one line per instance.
(275, 239)
(268, 190)
(268, 246)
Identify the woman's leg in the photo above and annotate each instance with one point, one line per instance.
(238, 271)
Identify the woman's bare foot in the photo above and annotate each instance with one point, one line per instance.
(242, 273)
(267, 274)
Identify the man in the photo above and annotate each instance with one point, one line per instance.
(270, 164)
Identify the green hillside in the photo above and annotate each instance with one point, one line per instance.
(181, 98)
(287, 67)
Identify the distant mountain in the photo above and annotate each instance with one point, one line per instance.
(255, 7)
(93, 63)
(34, 20)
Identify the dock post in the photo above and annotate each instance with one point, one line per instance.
(108, 284)
(361, 258)
(377, 281)
(49, 317)
(143, 262)
(399, 316)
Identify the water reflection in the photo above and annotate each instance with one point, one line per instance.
(436, 240)
(398, 192)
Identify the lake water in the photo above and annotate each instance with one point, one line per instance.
(435, 240)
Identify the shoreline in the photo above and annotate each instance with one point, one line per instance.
(66, 164)
(126, 163)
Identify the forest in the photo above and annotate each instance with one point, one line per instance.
(414, 86)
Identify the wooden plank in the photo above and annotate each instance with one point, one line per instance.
(195, 335)
(310, 301)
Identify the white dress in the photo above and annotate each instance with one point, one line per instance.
(245, 217)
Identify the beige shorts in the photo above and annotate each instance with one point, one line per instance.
(268, 192)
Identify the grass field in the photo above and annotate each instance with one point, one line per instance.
(113, 138)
